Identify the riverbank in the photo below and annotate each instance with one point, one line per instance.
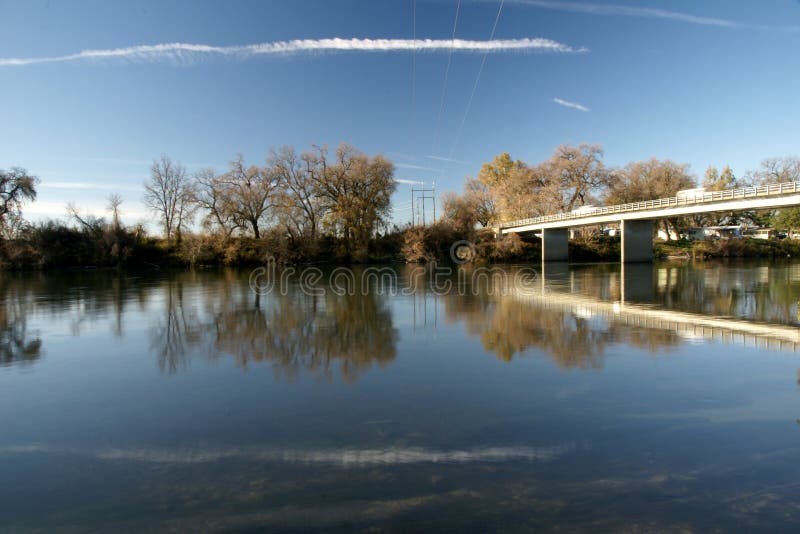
(728, 248)
(55, 246)
(52, 245)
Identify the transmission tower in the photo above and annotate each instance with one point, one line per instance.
(419, 204)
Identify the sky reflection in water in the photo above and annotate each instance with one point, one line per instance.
(662, 397)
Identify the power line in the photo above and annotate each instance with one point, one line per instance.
(413, 55)
(444, 84)
(418, 204)
(475, 86)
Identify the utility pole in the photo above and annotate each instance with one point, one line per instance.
(433, 197)
(413, 206)
(418, 198)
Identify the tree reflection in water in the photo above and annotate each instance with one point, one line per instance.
(179, 330)
(17, 343)
(579, 338)
(765, 293)
(321, 335)
(214, 314)
(509, 326)
(574, 340)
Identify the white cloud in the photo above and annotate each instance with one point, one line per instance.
(349, 457)
(568, 104)
(408, 182)
(186, 52)
(344, 457)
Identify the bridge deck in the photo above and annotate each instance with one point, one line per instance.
(743, 198)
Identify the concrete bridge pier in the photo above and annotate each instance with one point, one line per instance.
(555, 244)
(637, 241)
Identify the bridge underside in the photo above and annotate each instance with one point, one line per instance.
(636, 227)
(636, 245)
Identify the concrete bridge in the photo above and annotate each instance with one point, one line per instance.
(636, 219)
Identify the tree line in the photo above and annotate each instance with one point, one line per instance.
(573, 176)
(316, 205)
(321, 205)
(345, 195)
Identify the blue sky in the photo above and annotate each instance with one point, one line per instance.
(699, 82)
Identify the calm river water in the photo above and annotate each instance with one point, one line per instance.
(664, 397)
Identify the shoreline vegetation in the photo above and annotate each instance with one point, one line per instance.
(53, 247)
(319, 207)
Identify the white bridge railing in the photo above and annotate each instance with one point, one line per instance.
(671, 202)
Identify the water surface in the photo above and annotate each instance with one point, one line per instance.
(659, 398)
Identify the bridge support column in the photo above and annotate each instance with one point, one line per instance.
(637, 241)
(555, 244)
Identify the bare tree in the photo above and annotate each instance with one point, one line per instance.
(475, 206)
(90, 223)
(459, 211)
(248, 193)
(647, 180)
(356, 190)
(479, 196)
(511, 186)
(212, 198)
(571, 177)
(299, 205)
(114, 202)
(170, 193)
(651, 179)
(776, 170)
(16, 187)
(714, 180)
(13, 226)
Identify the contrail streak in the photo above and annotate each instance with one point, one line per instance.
(568, 104)
(629, 11)
(186, 52)
(592, 8)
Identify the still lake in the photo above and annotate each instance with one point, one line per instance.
(661, 398)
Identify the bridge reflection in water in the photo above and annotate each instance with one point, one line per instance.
(576, 314)
(572, 313)
(635, 306)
